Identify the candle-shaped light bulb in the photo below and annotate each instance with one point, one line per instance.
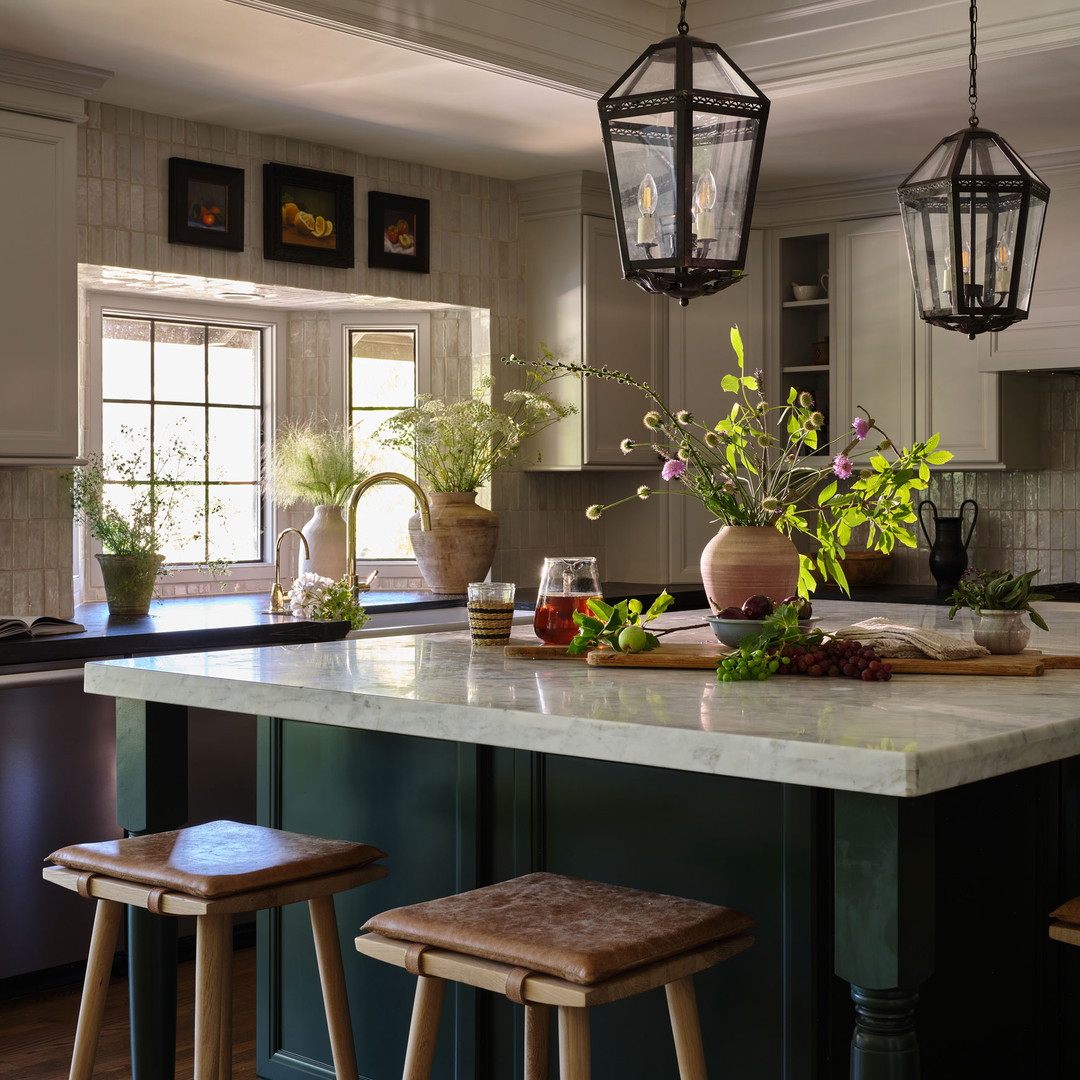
(946, 277)
(704, 205)
(646, 200)
(1003, 272)
(965, 255)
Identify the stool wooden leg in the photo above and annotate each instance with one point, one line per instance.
(107, 917)
(332, 977)
(686, 1029)
(212, 939)
(537, 1041)
(573, 1043)
(423, 1028)
(225, 1046)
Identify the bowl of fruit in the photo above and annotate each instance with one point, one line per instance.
(732, 624)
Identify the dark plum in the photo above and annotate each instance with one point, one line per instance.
(731, 613)
(757, 607)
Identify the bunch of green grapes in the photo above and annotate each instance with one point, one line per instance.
(750, 663)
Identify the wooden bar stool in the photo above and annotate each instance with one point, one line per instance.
(546, 940)
(213, 871)
(1067, 927)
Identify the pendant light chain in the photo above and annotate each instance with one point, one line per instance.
(684, 26)
(973, 65)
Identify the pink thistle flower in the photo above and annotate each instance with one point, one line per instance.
(672, 469)
(842, 466)
(861, 426)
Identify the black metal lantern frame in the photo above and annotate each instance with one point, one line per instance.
(683, 165)
(973, 215)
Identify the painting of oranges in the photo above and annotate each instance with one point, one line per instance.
(307, 215)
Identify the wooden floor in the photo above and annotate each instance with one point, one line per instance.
(37, 1031)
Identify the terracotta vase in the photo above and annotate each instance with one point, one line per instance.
(1002, 632)
(325, 535)
(460, 545)
(748, 560)
(129, 582)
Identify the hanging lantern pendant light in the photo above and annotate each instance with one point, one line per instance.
(973, 215)
(683, 132)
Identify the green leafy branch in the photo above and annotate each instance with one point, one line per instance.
(618, 626)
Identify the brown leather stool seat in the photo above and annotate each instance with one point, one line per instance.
(1067, 927)
(213, 871)
(547, 940)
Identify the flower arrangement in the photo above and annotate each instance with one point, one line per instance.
(751, 467)
(457, 446)
(995, 590)
(133, 509)
(313, 596)
(314, 460)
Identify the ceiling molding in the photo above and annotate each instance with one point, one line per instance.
(44, 87)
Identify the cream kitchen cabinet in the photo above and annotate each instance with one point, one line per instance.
(39, 416)
(914, 379)
(580, 307)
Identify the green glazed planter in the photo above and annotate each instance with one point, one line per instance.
(129, 582)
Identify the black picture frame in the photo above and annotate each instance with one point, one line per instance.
(206, 204)
(385, 213)
(297, 204)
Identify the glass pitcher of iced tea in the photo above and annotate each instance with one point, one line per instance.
(566, 586)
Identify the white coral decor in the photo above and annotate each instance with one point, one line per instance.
(307, 593)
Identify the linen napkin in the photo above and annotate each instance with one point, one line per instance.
(898, 640)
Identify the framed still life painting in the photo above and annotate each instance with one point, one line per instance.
(307, 216)
(206, 204)
(399, 232)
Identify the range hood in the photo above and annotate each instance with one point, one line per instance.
(1048, 340)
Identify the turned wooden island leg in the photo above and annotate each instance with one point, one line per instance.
(883, 862)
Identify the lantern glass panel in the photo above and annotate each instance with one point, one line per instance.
(926, 225)
(935, 165)
(1036, 215)
(643, 148)
(723, 160)
(713, 73)
(656, 72)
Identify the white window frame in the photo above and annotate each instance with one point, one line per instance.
(88, 574)
(385, 319)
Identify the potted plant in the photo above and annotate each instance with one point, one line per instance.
(752, 471)
(315, 461)
(456, 447)
(999, 599)
(134, 518)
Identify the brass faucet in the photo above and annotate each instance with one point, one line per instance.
(277, 593)
(355, 585)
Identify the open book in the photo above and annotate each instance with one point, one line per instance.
(37, 626)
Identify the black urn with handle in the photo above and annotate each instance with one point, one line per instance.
(948, 546)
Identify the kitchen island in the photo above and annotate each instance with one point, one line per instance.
(900, 842)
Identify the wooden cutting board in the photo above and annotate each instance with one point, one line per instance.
(703, 656)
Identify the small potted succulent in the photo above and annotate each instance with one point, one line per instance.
(999, 599)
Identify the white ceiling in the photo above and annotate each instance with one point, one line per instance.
(861, 89)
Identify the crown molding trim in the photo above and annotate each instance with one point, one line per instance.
(44, 87)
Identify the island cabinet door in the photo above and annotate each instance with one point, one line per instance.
(416, 799)
(762, 848)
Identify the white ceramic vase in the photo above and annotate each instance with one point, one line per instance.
(325, 535)
(1002, 632)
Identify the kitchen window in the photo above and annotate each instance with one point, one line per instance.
(386, 369)
(200, 378)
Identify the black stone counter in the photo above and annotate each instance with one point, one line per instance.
(194, 624)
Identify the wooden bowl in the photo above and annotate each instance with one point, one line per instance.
(866, 567)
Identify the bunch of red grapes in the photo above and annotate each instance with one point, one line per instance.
(834, 657)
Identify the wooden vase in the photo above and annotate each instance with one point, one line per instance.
(460, 546)
(325, 535)
(748, 560)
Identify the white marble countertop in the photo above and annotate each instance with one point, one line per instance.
(912, 736)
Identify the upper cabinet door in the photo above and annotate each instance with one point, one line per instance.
(874, 329)
(39, 353)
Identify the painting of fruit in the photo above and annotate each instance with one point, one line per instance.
(399, 231)
(206, 204)
(307, 215)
